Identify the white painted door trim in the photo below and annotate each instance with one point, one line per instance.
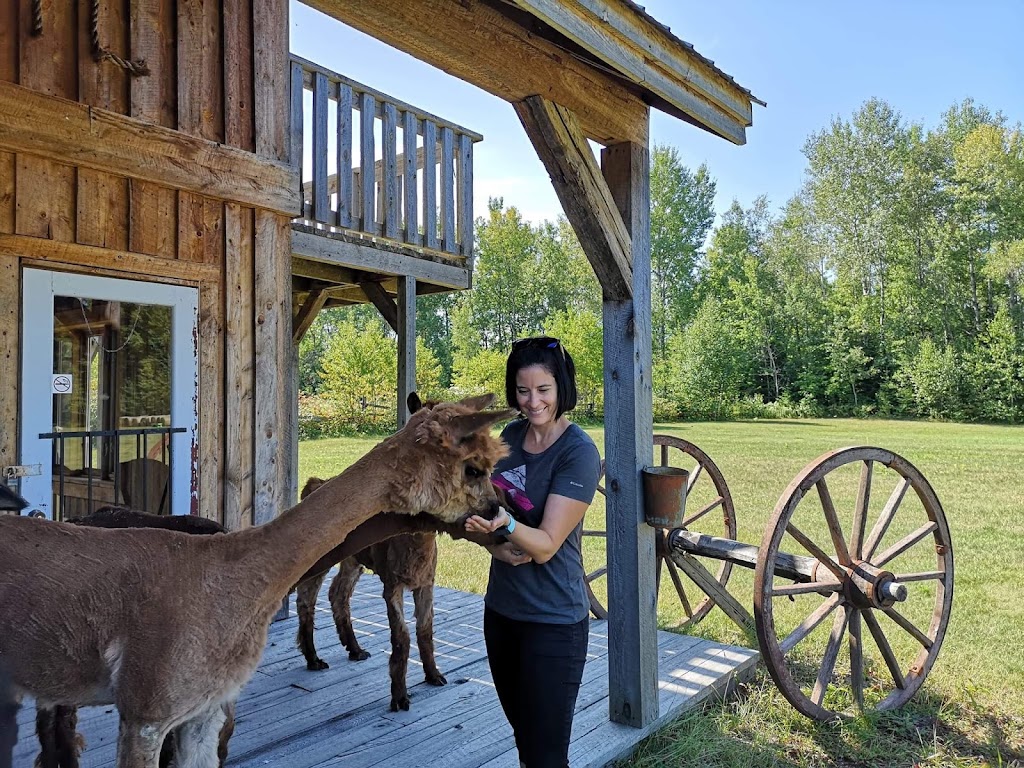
(39, 288)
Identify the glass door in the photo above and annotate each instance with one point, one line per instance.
(109, 393)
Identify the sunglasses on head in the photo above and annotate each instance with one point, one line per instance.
(539, 342)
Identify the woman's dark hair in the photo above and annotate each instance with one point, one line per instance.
(548, 352)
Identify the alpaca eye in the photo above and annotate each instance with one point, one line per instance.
(473, 472)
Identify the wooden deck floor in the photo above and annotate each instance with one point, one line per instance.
(293, 718)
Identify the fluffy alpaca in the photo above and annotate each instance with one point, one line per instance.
(60, 744)
(169, 627)
(404, 561)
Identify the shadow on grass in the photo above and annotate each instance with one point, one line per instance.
(757, 728)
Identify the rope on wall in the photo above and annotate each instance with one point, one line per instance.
(135, 68)
(37, 18)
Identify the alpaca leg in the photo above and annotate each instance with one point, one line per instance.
(69, 741)
(305, 605)
(46, 732)
(138, 744)
(225, 732)
(196, 741)
(399, 662)
(340, 595)
(423, 599)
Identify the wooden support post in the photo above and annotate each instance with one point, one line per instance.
(406, 345)
(632, 592)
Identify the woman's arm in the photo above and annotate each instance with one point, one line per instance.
(561, 516)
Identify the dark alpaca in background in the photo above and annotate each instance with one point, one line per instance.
(8, 719)
(60, 744)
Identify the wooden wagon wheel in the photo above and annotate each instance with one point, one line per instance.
(895, 589)
(715, 514)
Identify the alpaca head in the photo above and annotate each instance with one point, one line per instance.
(447, 456)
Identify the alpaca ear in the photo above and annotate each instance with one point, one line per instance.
(478, 402)
(414, 402)
(462, 427)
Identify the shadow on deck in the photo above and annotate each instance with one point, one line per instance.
(290, 717)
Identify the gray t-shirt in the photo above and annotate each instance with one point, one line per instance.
(553, 592)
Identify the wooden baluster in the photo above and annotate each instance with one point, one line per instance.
(429, 183)
(367, 153)
(410, 128)
(464, 160)
(392, 202)
(448, 188)
(344, 169)
(321, 198)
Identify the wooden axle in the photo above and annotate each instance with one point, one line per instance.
(865, 583)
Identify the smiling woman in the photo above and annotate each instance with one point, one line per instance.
(535, 624)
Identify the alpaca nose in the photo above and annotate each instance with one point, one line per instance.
(493, 510)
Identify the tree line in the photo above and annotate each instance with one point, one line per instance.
(889, 284)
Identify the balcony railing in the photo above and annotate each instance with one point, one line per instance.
(375, 166)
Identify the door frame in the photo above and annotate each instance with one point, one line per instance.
(38, 289)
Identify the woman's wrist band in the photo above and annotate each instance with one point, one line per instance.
(506, 530)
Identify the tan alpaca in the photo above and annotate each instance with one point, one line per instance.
(169, 626)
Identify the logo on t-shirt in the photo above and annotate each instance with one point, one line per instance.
(513, 483)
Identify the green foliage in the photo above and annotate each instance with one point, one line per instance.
(581, 334)
(682, 212)
(890, 284)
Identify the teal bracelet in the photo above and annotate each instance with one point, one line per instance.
(511, 525)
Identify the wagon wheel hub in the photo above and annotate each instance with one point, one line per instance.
(866, 586)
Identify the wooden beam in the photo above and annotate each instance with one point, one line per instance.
(482, 46)
(56, 252)
(307, 313)
(75, 134)
(328, 273)
(344, 253)
(632, 591)
(406, 345)
(583, 192)
(385, 304)
(685, 84)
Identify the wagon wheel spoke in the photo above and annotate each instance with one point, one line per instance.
(908, 626)
(678, 582)
(860, 511)
(904, 544)
(815, 550)
(703, 511)
(807, 625)
(694, 474)
(597, 574)
(903, 578)
(888, 513)
(856, 659)
(883, 645)
(832, 519)
(659, 558)
(828, 662)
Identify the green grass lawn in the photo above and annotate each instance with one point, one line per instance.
(971, 708)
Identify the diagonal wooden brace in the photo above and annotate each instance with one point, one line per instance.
(582, 191)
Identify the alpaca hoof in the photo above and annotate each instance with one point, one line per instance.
(362, 655)
(401, 703)
(316, 665)
(437, 679)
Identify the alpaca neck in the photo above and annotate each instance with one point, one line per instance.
(283, 549)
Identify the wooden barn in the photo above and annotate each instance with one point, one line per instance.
(179, 197)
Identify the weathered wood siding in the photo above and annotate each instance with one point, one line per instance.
(215, 70)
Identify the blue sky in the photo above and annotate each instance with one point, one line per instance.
(809, 61)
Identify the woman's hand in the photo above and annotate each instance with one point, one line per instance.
(508, 553)
(477, 524)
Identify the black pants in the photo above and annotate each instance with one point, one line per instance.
(537, 669)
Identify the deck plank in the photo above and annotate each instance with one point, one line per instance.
(340, 717)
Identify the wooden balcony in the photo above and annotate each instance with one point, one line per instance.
(387, 191)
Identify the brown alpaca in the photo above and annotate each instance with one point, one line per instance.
(169, 627)
(405, 561)
(60, 745)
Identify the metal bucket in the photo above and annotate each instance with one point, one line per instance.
(664, 496)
